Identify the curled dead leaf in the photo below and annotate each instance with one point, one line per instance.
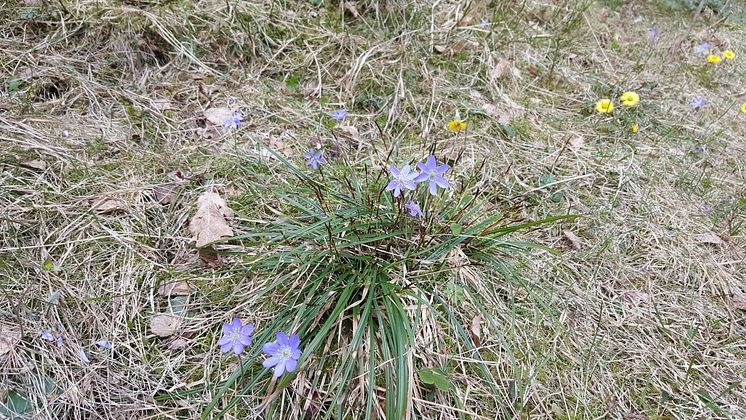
(577, 143)
(738, 300)
(209, 222)
(218, 116)
(178, 344)
(164, 325)
(179, 288)
(475, 330)
(165, 193)
(109, 206)
(349, 132)
(709, 238)
(575, 242)
(39, 165)
(10, 336)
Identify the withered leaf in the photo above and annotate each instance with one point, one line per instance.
(709, 238)
(179, 288)
(164, 325)
(739, 298)
(178, 344)
(109, 205)
(39, 165)
(10, 336)
(575, 242)
(475, 330)
(209, 222)
(218, 116)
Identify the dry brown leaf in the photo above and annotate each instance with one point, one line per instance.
(575, 242)
(440, 49)
(218, 116)
(577, 143)
(164, 325)
(179, 288)
(178, 344)
(503, 68)
(349, 131)
(738, 300)
(209, 259)
(475, 330)
(109, 206)
(10, 336)
(709, 238)
(163, 104)
(165, 193)
(209, 222)
(34, 164)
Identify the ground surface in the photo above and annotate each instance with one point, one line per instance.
(102, 102)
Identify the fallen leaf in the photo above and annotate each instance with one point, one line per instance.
(709, 238)
(164, 325)
(738, 300)
(165, 193)
(440, 49)
(109, 206)
(178, 344)
(10, 335)
(351, 8)
(218, 116)
(179, 288)
(575, 242)
(475, 330)
(502, 69)
(209, 259)
(163, 104)
(209, 222)
(577, 143)
(34, 164)
(349, 131)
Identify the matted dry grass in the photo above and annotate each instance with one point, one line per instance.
(638, 322)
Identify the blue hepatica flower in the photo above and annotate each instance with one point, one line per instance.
(654, 35)
(236, 336)
(484, 22)
(414, 209)
(283, 354)
(339, 114)
(432, 173)
(314, 158)
(403, 180)
(47, 335)
(698, 103)
(233, 120)
(702, 48)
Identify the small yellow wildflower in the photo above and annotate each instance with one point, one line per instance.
(712, 58)
(630, 98)
(729, 55)
(633, 129)
(743, 107)
(457, 125)
(604, 106)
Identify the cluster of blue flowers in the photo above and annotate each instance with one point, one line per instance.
(283, 353)
(406, 179)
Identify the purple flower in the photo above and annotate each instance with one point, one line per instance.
(233, 121)
(414, 209)
(707, 208)
(284, 353)
(339, 114)
(433, 173)
(314, 158)
(403, 179)
(702, 48)
(84, 357)
(698, 103)
(47, 335)
(484, 22)
(236, 336)
(654, 35)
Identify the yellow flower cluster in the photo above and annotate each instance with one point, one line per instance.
(743, 107)
(629, 98)
(727, 54)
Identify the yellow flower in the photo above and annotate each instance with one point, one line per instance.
(729, 55)
(604, 106)
(743, 107)
(630, 98)
(712, 58)
(633, 129)
(457, 125)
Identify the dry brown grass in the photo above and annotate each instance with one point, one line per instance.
(638, 322)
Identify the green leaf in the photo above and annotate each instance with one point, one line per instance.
(435, 376)
(455, 229)
(48, 265)
(545, 180)
(17, 404)
(178, 304)
(557, 197)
